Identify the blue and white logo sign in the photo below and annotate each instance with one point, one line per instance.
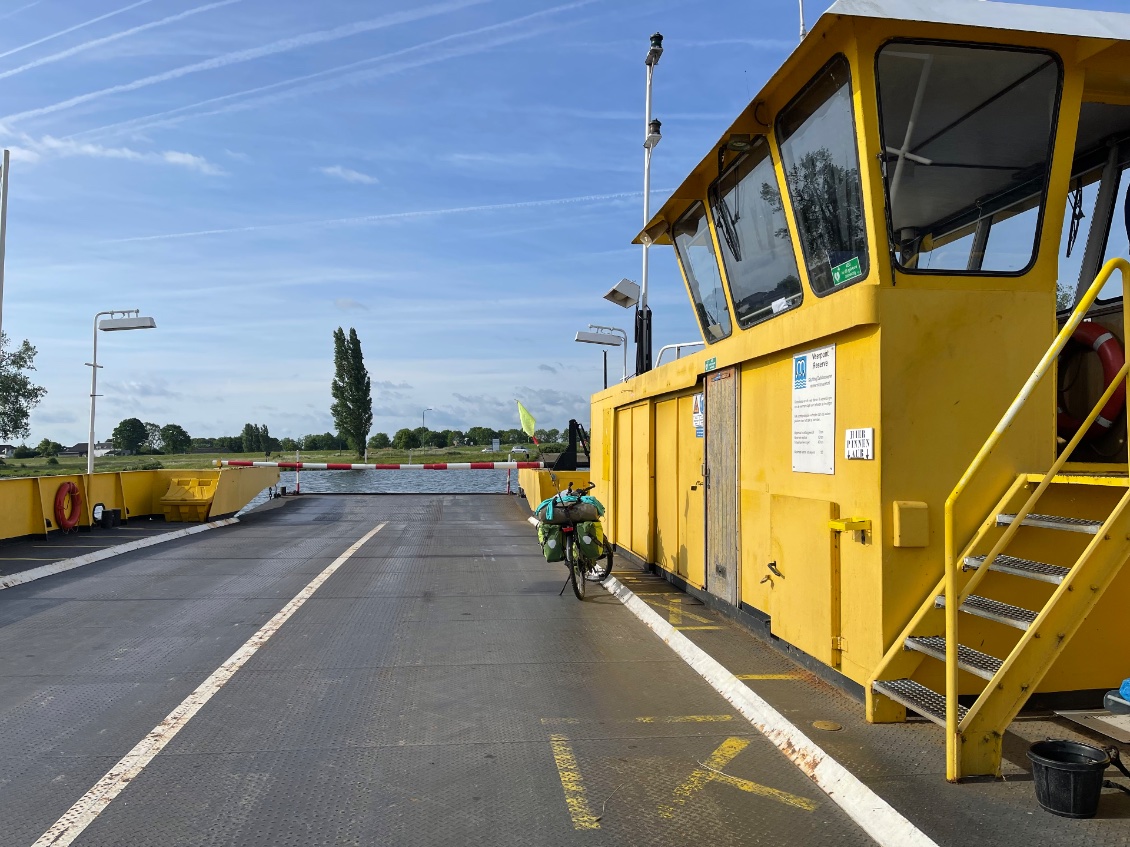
(800, 371)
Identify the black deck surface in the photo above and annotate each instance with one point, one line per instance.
(435, 690)
(28, 553)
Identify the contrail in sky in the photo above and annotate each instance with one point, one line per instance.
(390, 216)
(175, 116)
(62, 32)
(98, 42)
(250, 54)
(15, 12)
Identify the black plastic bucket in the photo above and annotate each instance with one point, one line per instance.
(1068, 777)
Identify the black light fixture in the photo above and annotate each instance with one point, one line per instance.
(653, 134)
(655, 50)
(739, 143)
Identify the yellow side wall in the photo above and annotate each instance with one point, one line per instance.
(539, 485)
(26, 503)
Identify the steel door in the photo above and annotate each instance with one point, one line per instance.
(723, 544)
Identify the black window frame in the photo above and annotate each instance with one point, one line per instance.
(892, 241)
(688, 275)
(808, 86)
(712, 196)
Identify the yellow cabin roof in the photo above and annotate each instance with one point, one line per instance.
(755, 119)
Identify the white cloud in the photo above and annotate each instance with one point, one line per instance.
(348, 304)
(35, 149)
(348, 174)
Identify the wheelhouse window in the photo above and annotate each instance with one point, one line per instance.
(816, 134)
(696, 254)
(967, 135)
(757, 250)
(1095, 224)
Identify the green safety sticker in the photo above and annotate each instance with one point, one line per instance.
(711, 364)
(846, 272)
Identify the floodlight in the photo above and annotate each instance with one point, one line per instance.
(117, 324)
(607, 338)
(653, 134)
(624, 293)
(655, 50)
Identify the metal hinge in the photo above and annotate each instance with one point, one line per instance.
(839, 643)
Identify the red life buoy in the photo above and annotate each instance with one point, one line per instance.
(68, 520)
(1102, 341)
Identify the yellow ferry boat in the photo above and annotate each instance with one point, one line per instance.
(892, 453)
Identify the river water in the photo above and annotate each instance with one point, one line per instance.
(394, 482)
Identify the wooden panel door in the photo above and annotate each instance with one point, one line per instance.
(723, 540)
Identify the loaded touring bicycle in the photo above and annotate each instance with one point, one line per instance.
(902, 449)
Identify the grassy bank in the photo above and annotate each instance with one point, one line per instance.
(199, 461)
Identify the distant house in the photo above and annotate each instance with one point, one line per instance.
(7, 451)
(101, 448)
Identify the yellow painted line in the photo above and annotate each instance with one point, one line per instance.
(571, 784)
(687, 719)
(674, 610)
(558, 721)
(711, 771)
(687, 628)
(769, 676)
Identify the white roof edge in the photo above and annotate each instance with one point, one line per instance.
(983, 13)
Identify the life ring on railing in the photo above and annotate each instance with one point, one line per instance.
(1098, 338)
(68, 520)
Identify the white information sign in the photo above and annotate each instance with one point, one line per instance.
(859, 443)
(814, 411)
(698, 415)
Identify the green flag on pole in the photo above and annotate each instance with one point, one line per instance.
(527, 421)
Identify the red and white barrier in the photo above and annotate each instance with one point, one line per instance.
(333, 466)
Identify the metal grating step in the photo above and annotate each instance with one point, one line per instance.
(974, 661)
(1021, 567)
(918, 698)
(1054, 522)
(993, 610)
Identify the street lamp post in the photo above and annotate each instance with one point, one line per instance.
(651, 139)
(604, 335)
(423, 414)
(131, 319)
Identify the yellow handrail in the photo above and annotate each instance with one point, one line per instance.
(954, 597)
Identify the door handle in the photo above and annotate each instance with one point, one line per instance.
(773, 567)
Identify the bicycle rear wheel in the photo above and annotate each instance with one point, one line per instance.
(576, 567)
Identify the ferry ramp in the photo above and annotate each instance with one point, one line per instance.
(434, 689)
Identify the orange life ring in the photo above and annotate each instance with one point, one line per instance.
(68, 520)
(1102, 341)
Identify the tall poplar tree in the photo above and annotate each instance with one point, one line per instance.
(352, 408)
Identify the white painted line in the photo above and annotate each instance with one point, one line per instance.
(870, 811)
(76, 819)
(107, 553)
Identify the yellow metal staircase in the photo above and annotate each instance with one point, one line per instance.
(1035, 568)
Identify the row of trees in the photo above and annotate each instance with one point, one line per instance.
(136, 436)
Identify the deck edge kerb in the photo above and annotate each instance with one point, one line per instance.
(872, 813)
(108, 553)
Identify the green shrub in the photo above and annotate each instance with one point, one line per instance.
(51, 460)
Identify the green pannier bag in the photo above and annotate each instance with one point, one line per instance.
(590, 538)
(552, 541)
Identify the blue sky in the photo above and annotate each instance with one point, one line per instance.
(459, 180)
